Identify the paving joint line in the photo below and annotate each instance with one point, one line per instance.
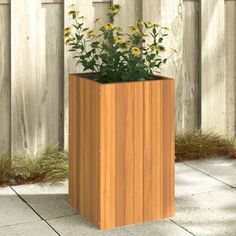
(208, 175)
(22, 223)
(181, 227)
(194, 194)
(34, 210)
(58, 217)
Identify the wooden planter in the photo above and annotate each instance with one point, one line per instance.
(121, 148)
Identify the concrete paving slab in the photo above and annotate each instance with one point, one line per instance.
(39, 228)
(211, 214)
(76, 225)
(13, 210)
(49, 201)
(189, 181)
(223, 169)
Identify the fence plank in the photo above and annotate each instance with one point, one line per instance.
(213, 76)
(131, 11)
(51, 79)
(5, 113)
(230, 38)
(25, 18)
(168, 13)
(191, 80)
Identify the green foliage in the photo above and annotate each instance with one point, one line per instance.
(50, 165)
(113, 55)
(202, 144)
(5, 165)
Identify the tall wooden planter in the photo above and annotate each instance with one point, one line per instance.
(121, 148)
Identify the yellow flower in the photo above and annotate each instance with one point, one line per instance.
(73, 13)
(108, 26)
(68, 40)
(90, 33)
(114, 9)
(135, 51)
(67, 30)
(153, 47)
(140, 22)
(156, 25)
(119, 40)
(134, 30)
(97, 19)
(148, 24)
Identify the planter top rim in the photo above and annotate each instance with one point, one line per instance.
(83, 76)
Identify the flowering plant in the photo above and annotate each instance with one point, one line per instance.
(113, 55)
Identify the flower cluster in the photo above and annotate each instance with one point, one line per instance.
(114, 55)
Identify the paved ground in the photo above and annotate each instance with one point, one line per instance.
(205, 205)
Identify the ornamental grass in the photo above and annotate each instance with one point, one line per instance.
(49, 166)
(193, 145)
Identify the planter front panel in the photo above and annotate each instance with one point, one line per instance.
(122, 151)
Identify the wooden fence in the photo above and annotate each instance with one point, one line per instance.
(34, 64)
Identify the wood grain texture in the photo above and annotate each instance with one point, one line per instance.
(230, 38)
(131, 11)
(37, 76)
(51, 76)
(84, 147)
(122, 144)
(5, 81)
(25, 75)
(213, 85)
(191, 80)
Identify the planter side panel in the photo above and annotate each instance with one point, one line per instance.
(137, 152)
(84, 146)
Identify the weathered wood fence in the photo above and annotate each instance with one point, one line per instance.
(34, 64)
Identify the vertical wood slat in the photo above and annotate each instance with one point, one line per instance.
(87, 149)
(120, 155)
(172, 148)
(191, 80)
(129, 153)
(107, 155)
(74, 136)
(213, 85)
(156, 147)
(168, 150)
(147, 153)
(230, 39)
(131, 11)
(80, 154)
(51, 75)
(25, 75)
(138, 152)
(5, 81)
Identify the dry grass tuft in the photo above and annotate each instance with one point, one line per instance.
(203, 144)
(50, 165)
